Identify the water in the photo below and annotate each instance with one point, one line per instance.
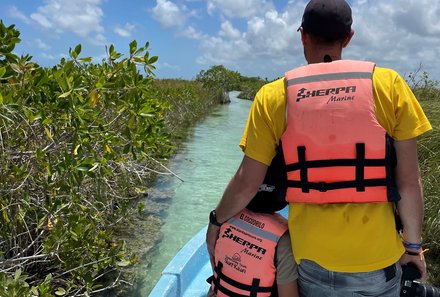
(206, 162)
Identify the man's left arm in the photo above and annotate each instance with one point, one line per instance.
(411, 205)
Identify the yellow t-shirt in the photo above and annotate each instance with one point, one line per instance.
(354, 237)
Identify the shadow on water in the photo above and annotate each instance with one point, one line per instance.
(178, 210)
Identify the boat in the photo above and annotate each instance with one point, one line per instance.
(186, 274)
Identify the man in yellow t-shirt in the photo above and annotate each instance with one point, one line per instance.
(342, 249)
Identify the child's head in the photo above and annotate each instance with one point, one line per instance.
(269, 199)
(271, 196)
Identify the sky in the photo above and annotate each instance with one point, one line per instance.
(254, 37)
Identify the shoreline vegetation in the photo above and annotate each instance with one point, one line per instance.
(80, 144)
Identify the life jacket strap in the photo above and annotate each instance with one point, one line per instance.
(229, 293)
(325, 186)
(360, 166)
(360, 162)
(392, 191)
(305, 185)
(335, 163)
(254, 289)
(216, 279)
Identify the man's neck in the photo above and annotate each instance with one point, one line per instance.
(316, 53)
(323, 58)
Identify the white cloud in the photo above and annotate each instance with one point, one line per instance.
(228, 31)
(124, 31)
(48, 56)
(42, 45)
(41, 20)
(268, 40)
(400, 34)
(397, 34)
(219, 51)
(272, 34)
(98, 39)
(168, 14)
(192, 33)
(82, 17)
(238, 8)
(15, 13)
(168, 66)
(424, 16)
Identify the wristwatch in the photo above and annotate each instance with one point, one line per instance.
(213, 218)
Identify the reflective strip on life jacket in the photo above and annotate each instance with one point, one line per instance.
(328, 77)
(334, 147)
(245, 254)
(254, 230)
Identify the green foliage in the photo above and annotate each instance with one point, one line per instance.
(429, 147)
(75, 141)
(428, 93)
(219, 80)
(249, 87)
(9, 37)
(16, 285)
(423, 87)
(188, 101)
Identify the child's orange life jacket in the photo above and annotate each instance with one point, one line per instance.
(245, 254)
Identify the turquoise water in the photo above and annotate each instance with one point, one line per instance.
(206, 163)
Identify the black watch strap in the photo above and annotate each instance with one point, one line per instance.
(213, 219)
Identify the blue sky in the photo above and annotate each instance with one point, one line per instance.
(253, 37)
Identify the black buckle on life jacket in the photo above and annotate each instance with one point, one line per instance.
(322, 187)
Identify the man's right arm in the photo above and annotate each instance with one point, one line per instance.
(240, 190)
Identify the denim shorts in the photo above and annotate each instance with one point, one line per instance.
(315, 281)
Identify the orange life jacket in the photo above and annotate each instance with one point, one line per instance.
(245, 254)
(334, 148)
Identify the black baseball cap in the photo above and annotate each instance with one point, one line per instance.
(329, 19)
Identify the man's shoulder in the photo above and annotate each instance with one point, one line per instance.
(382, 73)
(386, 80)
(275, 85)
(272, 89)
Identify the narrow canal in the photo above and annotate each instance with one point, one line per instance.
(205, 163)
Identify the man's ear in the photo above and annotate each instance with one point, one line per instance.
(347, 41)
(304, 36)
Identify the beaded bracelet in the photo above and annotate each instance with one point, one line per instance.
(413, 246)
